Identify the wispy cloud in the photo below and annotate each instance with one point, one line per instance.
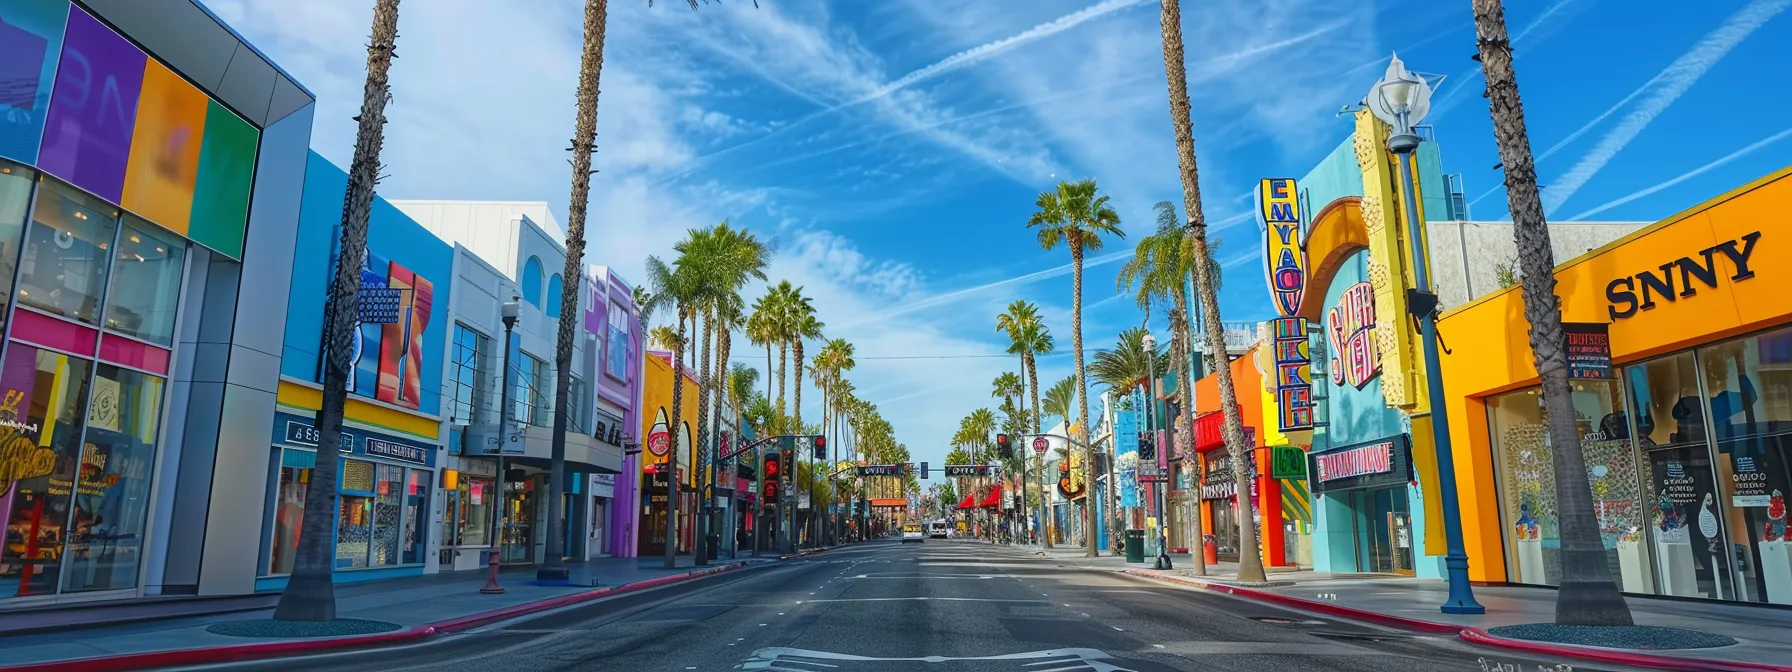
(1732, 156)
(937, 299)
(1664, 89)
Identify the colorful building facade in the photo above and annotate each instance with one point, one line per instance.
(663, 458)
(388, 469)
(1680, 352)
(149, 200)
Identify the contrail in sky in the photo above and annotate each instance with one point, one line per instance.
(1732, 156)
(1668, 87)
(937, 299)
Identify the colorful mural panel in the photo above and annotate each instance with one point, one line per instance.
(1293, 373)
(119, 124)
(1350, 329)
(401, 351)
(30, 41)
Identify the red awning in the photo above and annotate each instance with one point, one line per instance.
(995, 497)
(1209, 428)
(970, 502)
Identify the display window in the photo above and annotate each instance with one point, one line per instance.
(379, 512)
(43, 399)
(66, 253)
(469, 506)
(1528, 498)
(111, 504)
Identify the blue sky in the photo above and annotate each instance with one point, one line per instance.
(894, 148)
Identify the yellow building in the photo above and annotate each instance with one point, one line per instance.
(1681, 342)
(657, 451)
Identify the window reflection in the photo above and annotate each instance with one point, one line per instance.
(146, 282)
(112, 490)
(1690, 556)
(15, 200)
(43, 397)
(1749, 383)
(65, 254)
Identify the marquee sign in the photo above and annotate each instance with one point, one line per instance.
(1377, 463)
(1278, 212)
(1376, 458)
(1350, 329)
(1294, 373)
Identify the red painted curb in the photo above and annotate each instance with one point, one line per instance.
(1478, 636)
(1481, 637)
(245, 652)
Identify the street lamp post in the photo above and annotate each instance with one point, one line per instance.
(1400, 99)
(1157, 487)
(509, 313)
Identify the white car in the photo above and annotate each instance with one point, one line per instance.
(912, 533)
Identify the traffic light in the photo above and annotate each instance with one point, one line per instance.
(789, 458)
(1004, 447)
(821, 446)
(769, 486)
(1147, 447)
(923, 471)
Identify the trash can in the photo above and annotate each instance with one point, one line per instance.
(714, 541)
(1135, 545)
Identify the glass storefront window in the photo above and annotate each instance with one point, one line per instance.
(1748, 388)
(15, 200)
(1528, 506)
(469, 508)
(63, 270)
(388, 515)
(1681, 499)
(112, 491)
(146, 283)
(354, 523)
(289, 508)
(416, 516)
(43, 397)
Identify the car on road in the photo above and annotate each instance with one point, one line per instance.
(912, 532)
(937, 529)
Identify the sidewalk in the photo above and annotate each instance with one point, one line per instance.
(1764, 633)
(423, 605)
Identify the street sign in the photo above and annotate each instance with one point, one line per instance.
(1040, 444)
(962, 470)
(1288, 462)
(881, 470)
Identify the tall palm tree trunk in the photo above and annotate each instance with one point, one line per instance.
(783, 374)
(1038, 425)
(1184, 371)
(676, 422)
(311, 592)
(700, 531)
(796, 408)
(1090, 548)
(1587, 594)
(1250, 560)
(584, 142)
(725, 342)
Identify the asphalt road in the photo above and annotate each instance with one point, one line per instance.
(939, 606)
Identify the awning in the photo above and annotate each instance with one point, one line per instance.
(970, 502)
(994, 500)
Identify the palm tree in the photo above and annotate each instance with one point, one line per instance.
(762, 329)
(584, 142)
(1128, 364)
(1007, 387)
(1587, 596)
(1060, 398)
(1029, 338)
(1250, 560)
(724, 259)
(802, 325)
(1078, 215)
(679, 290)
(833, 360)
(779, 301)
(311, 592)
(741, 380)
(661, 337)
(641, 298)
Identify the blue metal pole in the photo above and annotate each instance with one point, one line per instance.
(1462, 595)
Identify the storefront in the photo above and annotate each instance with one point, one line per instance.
(119, 213)
(388, 514)
(382, 501)
(1219, 499)
(1680, 338)
(665, 461)
(1365, 509)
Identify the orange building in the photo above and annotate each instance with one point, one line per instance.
(1680, 337)
(1218, 490)
(658, 449)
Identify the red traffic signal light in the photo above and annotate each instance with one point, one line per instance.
(768, 491)
(1004, 447)
(821, 446)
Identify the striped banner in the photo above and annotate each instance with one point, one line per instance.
(1297, 503)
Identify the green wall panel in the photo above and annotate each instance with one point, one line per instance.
(226, 174)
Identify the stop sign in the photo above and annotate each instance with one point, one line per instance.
(1040, 444)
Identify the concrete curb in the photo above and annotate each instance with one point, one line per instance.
(233, 653)
(1474, 635)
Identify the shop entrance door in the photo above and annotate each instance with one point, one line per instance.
(1380, 517)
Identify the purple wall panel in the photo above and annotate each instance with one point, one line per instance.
(93, 109)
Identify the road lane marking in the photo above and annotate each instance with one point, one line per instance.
(926, 599)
